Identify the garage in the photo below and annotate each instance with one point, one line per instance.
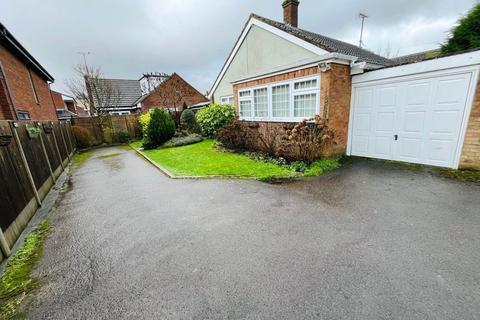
(415, 113)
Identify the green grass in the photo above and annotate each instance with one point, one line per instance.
(202, 159)
(319, 167)
(137, 144)
(16, 280)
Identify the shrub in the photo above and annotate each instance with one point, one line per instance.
(183, 141)
(187, 120)
(307, 141)
(82, 136)
(161, 128)
(144, 120)
(233, 135)
(215, 116)
(107, 135)
(122, 136)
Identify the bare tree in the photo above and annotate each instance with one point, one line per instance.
(96, 94)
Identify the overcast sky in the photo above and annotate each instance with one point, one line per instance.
(194, 37)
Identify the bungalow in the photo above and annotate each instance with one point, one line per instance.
(173, 93)
(152, 90)
(419, 108)
(24, 83)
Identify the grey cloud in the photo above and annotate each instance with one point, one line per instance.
(194, 37)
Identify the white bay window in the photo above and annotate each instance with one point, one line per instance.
(292, 100)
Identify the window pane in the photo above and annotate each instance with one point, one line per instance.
(230, 101)
(309, 84)
(246, 108)
(244, 94)
(260, 102)
(305, 105)
(281, 101)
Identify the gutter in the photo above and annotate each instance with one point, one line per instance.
(4, 33)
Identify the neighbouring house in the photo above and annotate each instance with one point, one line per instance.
(65, 106)
(151, 90)
(419, 108)
(173, 93)
(24, 83)
(122, 96)
(74, 106)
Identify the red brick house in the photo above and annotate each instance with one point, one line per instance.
(172, 94)
(421, 108)
(24, 83)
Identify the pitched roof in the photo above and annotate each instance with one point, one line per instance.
(312, 40)
(416, 57)
(129, 91)
(327, 43)
(201, 97)
(8, 40)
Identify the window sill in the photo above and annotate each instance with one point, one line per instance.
(295, 120)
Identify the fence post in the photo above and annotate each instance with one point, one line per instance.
(56, 147)
(4, 244)
(46, 155)
(14, 126)
(64, 142)
(69, 140)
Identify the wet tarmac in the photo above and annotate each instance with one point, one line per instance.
(363, 242)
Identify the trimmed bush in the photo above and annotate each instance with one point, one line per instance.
(187, 120)
(161, 128)
(183, 141)
(82, 136)
(215, 116)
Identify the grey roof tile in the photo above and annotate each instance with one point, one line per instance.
(129, 91)
(328, 44)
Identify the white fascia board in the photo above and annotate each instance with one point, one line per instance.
(253, 21)
(450, 62)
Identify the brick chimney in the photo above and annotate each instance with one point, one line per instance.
(290, 12)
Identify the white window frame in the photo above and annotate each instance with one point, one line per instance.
(292, 94)
(227, 99)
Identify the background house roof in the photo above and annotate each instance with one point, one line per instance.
(328, 44)
(416, 57)
(8, 40)
(129, 91)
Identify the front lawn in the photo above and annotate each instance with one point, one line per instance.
(202, 159)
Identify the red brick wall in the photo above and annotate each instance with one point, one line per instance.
(471, 147)
(6, 109)
(16, 73)
(165, 95)
(335, 92)
(58, 100)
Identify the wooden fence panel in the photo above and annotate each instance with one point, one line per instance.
(61, 144)
(33, 150)
(25, 182)
(50, 147)
(16, 190)
(117, 124)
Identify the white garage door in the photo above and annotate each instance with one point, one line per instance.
(410, 119)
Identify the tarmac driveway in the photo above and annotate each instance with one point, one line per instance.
(364, 242)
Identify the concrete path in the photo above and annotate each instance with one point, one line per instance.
(364, 242)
